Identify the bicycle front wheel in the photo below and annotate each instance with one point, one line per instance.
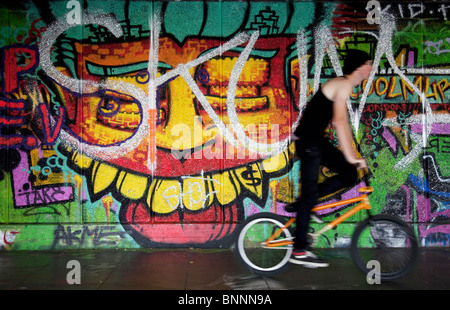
(385, 242)
(251, 247)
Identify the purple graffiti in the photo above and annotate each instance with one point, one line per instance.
(24, 193)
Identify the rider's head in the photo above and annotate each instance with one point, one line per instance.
(355, 59)
(358, 65)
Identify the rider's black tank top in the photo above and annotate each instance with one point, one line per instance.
(315, 119)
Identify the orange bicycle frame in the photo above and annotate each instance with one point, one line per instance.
(363, 204)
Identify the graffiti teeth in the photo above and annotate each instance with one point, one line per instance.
(102, 176)
(275, 163)
(195, 188)
(164, 198)
(222, 181)
(131, 185)
(251, 178)
(81, 161)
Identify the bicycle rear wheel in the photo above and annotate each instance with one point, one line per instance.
(250, 247)
(387, 241)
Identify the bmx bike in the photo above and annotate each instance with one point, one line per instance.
(265, 240)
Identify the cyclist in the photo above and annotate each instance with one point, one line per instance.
(314, 149)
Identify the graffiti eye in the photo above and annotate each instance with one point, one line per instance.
(116, 118)
(142, 77)
(203, 76)
(109, 106)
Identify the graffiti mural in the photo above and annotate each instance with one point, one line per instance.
(129, 124)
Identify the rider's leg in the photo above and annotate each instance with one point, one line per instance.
(334, 160)
(310, 160)
(309, 171)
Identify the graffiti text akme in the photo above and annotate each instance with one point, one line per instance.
(99, 234)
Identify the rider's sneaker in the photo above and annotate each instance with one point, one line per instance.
(307, 259)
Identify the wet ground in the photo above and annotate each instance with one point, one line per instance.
(200, 270)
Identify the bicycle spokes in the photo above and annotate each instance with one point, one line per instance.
(389, 242)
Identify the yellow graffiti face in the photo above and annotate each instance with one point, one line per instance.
(201, 134)
(188, 125)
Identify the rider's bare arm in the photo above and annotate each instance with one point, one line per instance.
(340, 91)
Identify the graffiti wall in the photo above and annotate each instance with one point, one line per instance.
(136, 124)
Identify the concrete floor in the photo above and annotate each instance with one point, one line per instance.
(199, 269)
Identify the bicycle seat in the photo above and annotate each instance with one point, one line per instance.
(366, 189)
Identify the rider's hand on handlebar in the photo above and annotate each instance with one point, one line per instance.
(360, 163)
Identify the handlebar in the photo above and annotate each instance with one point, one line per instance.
(366, 171)
(366, 176)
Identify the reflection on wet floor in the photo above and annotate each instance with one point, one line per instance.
(196, 269)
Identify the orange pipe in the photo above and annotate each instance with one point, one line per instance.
(339, 203)
(279, 243)
(351, 212)
(279, 230)
(356, 209)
